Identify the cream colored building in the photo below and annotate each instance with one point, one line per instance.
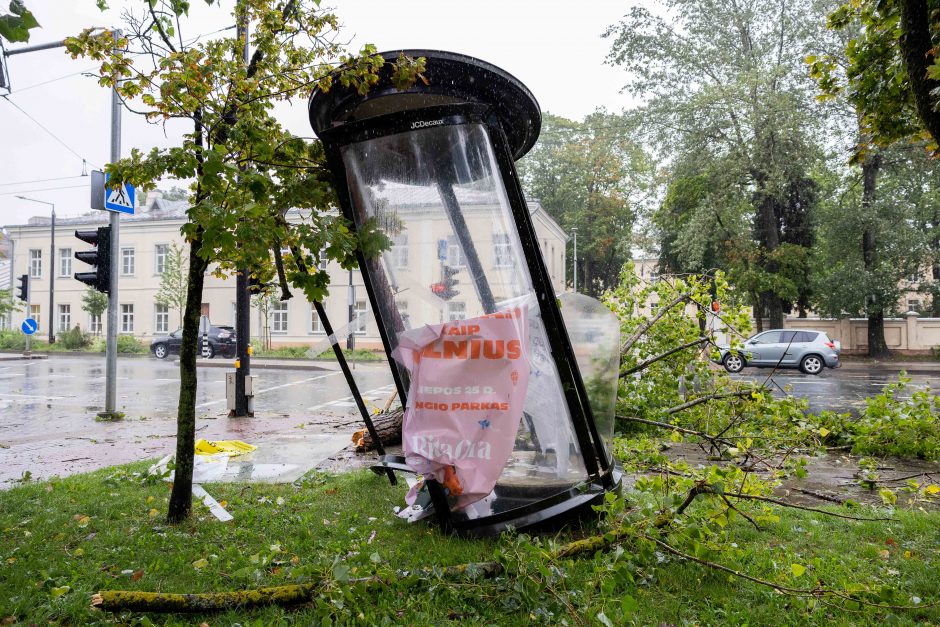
(145, 241)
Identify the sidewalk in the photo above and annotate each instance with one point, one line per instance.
(860, 364)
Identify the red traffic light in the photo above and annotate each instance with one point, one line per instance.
(716, 306)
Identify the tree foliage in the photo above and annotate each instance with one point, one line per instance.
(172, 290)
(725, 83)
(591, 176)
(891, 72)
(95, 303)
(17, 22)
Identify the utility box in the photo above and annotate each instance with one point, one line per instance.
(230, 389)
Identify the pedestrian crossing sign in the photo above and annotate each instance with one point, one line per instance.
(119, 198)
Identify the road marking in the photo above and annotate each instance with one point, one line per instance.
(276, 387)
(4, 395)
(349, 401)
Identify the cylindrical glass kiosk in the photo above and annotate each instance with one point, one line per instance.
(462, 281)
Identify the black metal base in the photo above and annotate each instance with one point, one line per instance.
(521, 507)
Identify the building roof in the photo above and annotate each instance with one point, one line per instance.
(157, 209)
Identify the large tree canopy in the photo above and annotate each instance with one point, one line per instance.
(726, 82)
(591, 176)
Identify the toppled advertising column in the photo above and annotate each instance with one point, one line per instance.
(508, 419)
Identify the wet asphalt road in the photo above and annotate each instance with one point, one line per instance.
(841, 390)
(48, 410)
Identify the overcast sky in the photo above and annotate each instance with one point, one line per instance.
(554, 47)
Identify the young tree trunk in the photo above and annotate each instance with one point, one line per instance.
(181, 499)
(877, 345)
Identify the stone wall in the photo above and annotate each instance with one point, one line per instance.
(909, 334)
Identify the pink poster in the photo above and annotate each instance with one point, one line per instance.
(468, 387)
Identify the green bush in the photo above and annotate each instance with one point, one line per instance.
(74, 339)
(130, 344)
(12, 340)
(898, 426)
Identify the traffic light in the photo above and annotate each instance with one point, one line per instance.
(447, 283)
(100, 258)
(23, 288)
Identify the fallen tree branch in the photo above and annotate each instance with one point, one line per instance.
(710, 397)
(820, 496)
(818, 592)
(652, 360)
(646, 326)
(670, 427)
(767, 499)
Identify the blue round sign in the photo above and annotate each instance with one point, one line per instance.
(29, 326)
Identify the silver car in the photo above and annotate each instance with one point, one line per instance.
(810, 351)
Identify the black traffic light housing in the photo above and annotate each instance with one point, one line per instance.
(23, 288)
(448, 281)
(100, 258)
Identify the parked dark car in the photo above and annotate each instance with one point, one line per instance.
(221, 342)
(808, 350)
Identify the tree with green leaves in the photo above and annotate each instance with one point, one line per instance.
(172, 291)
(591, 176)
(248, 170)
(16, 23)
(888, 69)
(852, 279)
(95, 303)
(726, 82)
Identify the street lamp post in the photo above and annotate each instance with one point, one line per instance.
(574, 230)
(51, 267)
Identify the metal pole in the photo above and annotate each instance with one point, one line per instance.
(29, 298)
(52, 270)
(575, 231)
(242, 306)
(351, 338)
(110, 393)
(48, 46)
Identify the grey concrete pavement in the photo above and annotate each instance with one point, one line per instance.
(48, 413)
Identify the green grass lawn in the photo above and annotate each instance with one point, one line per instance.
(64, 540)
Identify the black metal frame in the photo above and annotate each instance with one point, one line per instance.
(590, 443)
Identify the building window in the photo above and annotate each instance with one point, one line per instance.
(400, 251)
(455, 257)
(279, 317)
(324, 260)
(35, 263)
(316, 325)
(161, 319)
(359, 315)
(65, 317)
(34, 314)
(159, 258)
(94, 323)
(127, 318)
(502, 250)
(65, 262)
(127, 262)
(455, 310)
(913, 304)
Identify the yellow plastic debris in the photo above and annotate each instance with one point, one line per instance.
(227, 447)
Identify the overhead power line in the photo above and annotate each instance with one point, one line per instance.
(40, 125)
(53, 80)
(58, 178)
(45, 189)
